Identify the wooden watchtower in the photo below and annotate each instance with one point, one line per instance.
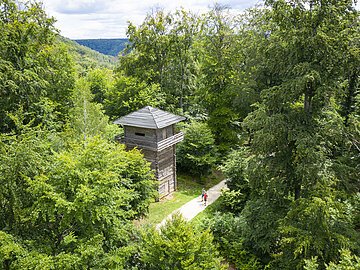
(153, 131)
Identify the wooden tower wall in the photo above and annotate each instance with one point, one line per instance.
(163, 161)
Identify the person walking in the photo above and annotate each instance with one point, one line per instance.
(205, 197)
(202, 194)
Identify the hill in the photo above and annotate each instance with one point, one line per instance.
(105, 46)
(86, 57)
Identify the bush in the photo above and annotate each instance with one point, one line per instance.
(235, 170)
(178, 246)
(227, 230)
(232, 201)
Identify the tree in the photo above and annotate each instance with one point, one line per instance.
(59, 73)
(71, 195)
(150, 47)
(183, 71)
(22, 155)
(31, 70)
(162, 53)
(86, 117)
(227, 230)
(296, 133)
(128, 94)
(197, 153)
(100, 81)
(347, 261)
(74, 206)
(178, 246)
(222, 74)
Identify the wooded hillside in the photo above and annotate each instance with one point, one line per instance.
(105, 46)
(88, 58)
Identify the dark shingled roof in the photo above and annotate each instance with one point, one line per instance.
(149, 117)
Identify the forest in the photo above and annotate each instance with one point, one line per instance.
(105, 46)
(271, 97)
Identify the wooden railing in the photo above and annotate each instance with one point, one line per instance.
(154, 146)
(178, 137)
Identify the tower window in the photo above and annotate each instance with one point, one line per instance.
(140, 134)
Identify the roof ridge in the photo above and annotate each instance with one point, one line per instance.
(153, 116)
(156, 118)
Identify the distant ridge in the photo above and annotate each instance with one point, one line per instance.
(87, 58)
(105, 46)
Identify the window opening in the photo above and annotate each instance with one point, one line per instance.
(140, 134)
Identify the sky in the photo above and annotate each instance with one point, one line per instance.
(92, 19)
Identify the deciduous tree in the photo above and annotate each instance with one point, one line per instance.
(178, 246)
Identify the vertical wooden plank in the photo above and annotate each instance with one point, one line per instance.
(174, 159)
(157, 158)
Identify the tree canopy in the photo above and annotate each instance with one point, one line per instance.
(271, 97)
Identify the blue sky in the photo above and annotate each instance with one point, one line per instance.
(82, 19)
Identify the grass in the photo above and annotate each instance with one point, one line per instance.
(207, 213)
(188, 189)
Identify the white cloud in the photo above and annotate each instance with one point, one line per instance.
(80, 19)
(79, 7)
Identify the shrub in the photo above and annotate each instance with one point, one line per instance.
(227, 230)
(178, 245)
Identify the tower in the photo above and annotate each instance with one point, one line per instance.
(153, 132)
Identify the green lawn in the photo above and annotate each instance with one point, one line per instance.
(188, 189)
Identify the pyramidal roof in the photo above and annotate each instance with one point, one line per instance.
(149, 117)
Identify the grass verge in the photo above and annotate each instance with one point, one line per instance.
(188, 188)
(207, 213)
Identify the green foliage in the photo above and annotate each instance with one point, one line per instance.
(128, 94)
(31, 66)
(347, 261)
(355, 213)
(150, 46)
(227, 230)
(23, 155)
(161, 53)
(100, 81)
(296, 168)
(85, 58)
(105, 46)
(314, 226)
(283, 80)
(235, 170)
(225, 90)
(178, 246)
(232, 201)
(311, 264)
(99, 184)
(59, 73)
(197, 153)
(86, 117)
(69, 208)
(261, 233)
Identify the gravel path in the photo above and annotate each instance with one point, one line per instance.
(195, 206)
